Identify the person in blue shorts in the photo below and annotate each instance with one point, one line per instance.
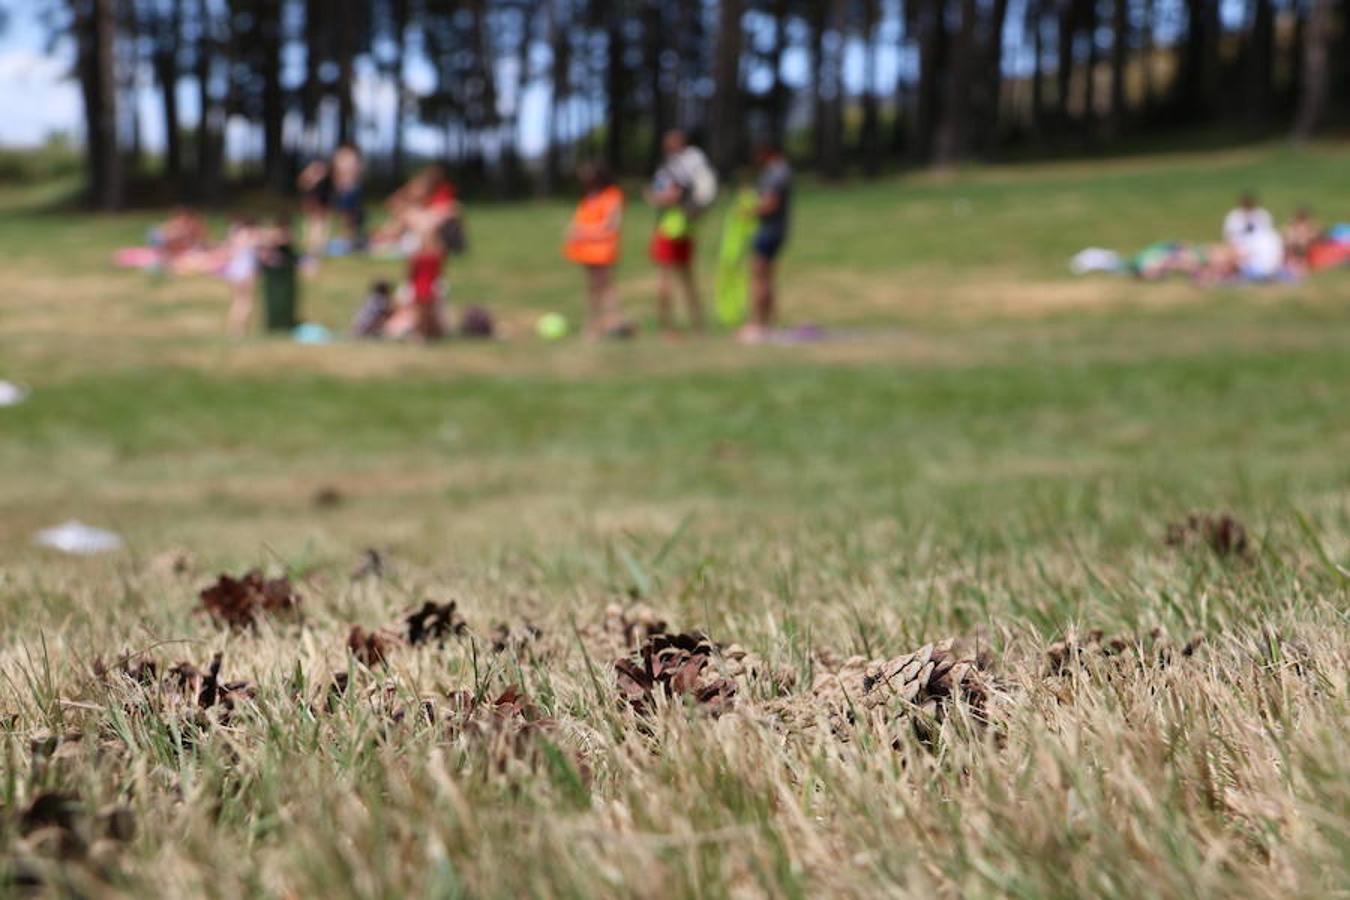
(348, 173)
(774, 187)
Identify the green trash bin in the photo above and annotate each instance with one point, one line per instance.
(280, 292)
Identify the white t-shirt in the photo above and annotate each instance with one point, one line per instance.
(1262, 253)
(1240, 223)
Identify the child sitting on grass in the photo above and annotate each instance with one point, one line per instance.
(375, 311)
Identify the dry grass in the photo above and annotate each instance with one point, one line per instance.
(1208, 774)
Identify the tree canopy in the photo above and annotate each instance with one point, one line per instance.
(843, 84)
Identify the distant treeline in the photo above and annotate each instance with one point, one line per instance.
(844, 84)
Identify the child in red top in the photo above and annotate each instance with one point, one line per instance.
(420, 315)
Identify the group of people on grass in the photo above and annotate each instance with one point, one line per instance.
(1253, 249)
(682, 190)
(423, 225)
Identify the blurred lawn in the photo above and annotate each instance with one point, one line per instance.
(972, 381)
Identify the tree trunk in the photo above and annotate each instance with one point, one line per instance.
(1036, 25)
(616, 92)
(1147, 50)
(311, 92)
(832, 125)
(1120, 31)
(869, 137)
(986, 113)
(273, 107)
(1090, 73)
(400, 26)
(952, 143)
(1260, 61)
(346, 60)
(819, 15)
(209, 117)
(164, 61)
(110, 193)
(95, 25)
(727, 127)
(1200, 66)
(1316, 65)
(933, 45)
(560, 67)
(778, 102)
(654, 43)
(1066, 28)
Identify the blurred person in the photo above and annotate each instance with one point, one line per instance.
(425, 201)
(593, 242)
(1246, 219)
(419, 315)
(773, 209)
(375, 311)
(1255, 250)
(315, 183)
(1301, 234)
(682, 187)
(240, 271)
(183, 232)
(348, 169)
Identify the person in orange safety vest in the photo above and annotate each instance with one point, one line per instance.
(593, 240)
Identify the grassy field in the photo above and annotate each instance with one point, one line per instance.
(986, 448)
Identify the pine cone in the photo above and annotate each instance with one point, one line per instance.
(677, 664)
(434, 621)
(239, 602)
(1222, 534)
(1156, 648)
(919, 687)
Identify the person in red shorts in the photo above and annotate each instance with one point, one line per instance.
(419, 316)
(672, 244)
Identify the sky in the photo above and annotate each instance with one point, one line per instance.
(36, 97)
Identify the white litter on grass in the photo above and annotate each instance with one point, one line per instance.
(1096, 259)
(12, 394)
(78, 538)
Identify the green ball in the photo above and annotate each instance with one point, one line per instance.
(552, 326)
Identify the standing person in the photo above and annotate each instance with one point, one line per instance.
(773, 209)
(426, 203)
(683, 186)
(241, 272)
(348, 173)
(593, 243)
(316, 204)
(427, 217)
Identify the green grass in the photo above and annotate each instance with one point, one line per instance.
(987, 446)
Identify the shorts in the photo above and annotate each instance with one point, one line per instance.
(349, 204)
(668, 251)
(769, 241)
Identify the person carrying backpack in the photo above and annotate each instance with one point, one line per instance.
(683, 188)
